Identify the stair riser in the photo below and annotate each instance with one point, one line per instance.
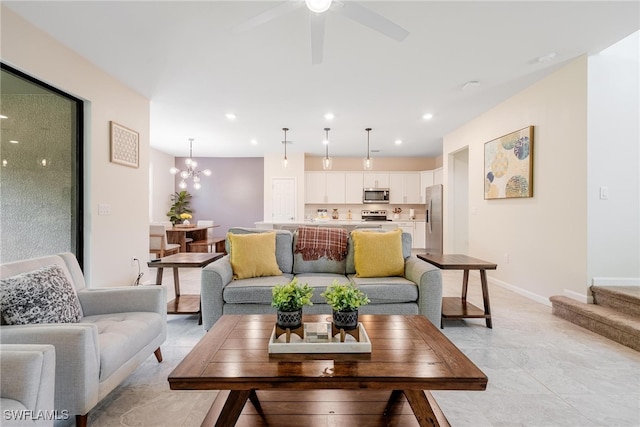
(623, 306)
(629, 339)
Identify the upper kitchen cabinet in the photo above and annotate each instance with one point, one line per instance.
(426, 180)
(437, 176)
(404, 188)
(353, 188)
(376, 180)
(324, 187)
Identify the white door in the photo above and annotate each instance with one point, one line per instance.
(283, 199)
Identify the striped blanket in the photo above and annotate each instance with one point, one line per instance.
(317, 242)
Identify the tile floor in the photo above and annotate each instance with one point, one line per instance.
(543, 371)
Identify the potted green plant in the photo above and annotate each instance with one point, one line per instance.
(345, 299)
(180, 205)
(288, 299)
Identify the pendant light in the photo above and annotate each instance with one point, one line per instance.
(285, 161)
(368, 161)
(327, 162)
(190, 172)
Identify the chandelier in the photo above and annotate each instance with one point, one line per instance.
(191, 171)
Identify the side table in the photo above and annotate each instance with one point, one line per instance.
(459, 308)
(183, 304)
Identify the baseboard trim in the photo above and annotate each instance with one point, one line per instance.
(615, 281)
(578, 297)
(528, 294)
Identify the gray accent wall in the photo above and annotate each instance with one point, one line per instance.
(233, 196)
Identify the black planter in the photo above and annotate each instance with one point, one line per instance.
(346, 320)
(289, 319)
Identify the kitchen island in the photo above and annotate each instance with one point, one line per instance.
(414, 227)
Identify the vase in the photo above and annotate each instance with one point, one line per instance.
(346, 320)
(289, 319)
(334, 214)
(186, 222)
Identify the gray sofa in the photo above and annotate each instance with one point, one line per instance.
(118, 329)
(418, 292)
(27, 384)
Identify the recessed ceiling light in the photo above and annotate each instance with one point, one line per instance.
(230, 116)
(427, 116)
(398, 141)
(13, 141)
(254, 142)
(329, 116)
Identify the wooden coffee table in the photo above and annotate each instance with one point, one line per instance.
(385, 387)
(183, 304)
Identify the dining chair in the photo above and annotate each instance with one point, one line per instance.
(158, 241)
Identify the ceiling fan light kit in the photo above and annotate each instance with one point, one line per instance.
(367, 162)
(191, 171)
(350, 9)
(318, 6)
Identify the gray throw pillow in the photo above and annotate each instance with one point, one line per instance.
(40, 296)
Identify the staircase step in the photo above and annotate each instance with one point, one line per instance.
(625, 299)
(606, 321)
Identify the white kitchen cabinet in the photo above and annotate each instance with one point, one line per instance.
(375, 180)
(335, 187)
(437, 176)
(353, 188)
(404, 188)
(324, 187)
(407, 227)
(419, 237)
(426, 180)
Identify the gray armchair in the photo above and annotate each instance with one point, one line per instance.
(27, 383)
(119, 329)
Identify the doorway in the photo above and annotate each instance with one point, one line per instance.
(283, 199)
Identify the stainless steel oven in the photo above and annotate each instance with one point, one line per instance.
(375, 195)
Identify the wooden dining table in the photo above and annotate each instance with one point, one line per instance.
(179, 234)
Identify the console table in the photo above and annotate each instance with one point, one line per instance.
(459, 308)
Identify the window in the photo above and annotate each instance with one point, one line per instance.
(41, 191)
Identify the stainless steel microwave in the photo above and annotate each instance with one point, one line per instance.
(375, 195)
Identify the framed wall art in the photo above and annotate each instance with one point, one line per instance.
(508, 165)
(125, 146)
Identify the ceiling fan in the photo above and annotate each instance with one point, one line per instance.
(317, 9)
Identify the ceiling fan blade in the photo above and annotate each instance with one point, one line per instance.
(317, 36)
(266, 16)
(373, 20)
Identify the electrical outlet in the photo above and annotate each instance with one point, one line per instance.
(506, 258)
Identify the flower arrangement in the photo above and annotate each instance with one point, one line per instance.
(185, 216)
(344, 296)
(291, 296)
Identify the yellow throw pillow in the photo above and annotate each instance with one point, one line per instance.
(378, 254)
(253, 255)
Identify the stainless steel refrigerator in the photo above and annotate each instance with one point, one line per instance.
(434, 219)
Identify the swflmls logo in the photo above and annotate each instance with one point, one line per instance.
(29, 415)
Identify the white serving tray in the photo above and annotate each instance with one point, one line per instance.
(315, 341)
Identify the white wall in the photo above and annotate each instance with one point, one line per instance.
(161, 184)
(614, 162)
(111, 241)
(543, 236)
